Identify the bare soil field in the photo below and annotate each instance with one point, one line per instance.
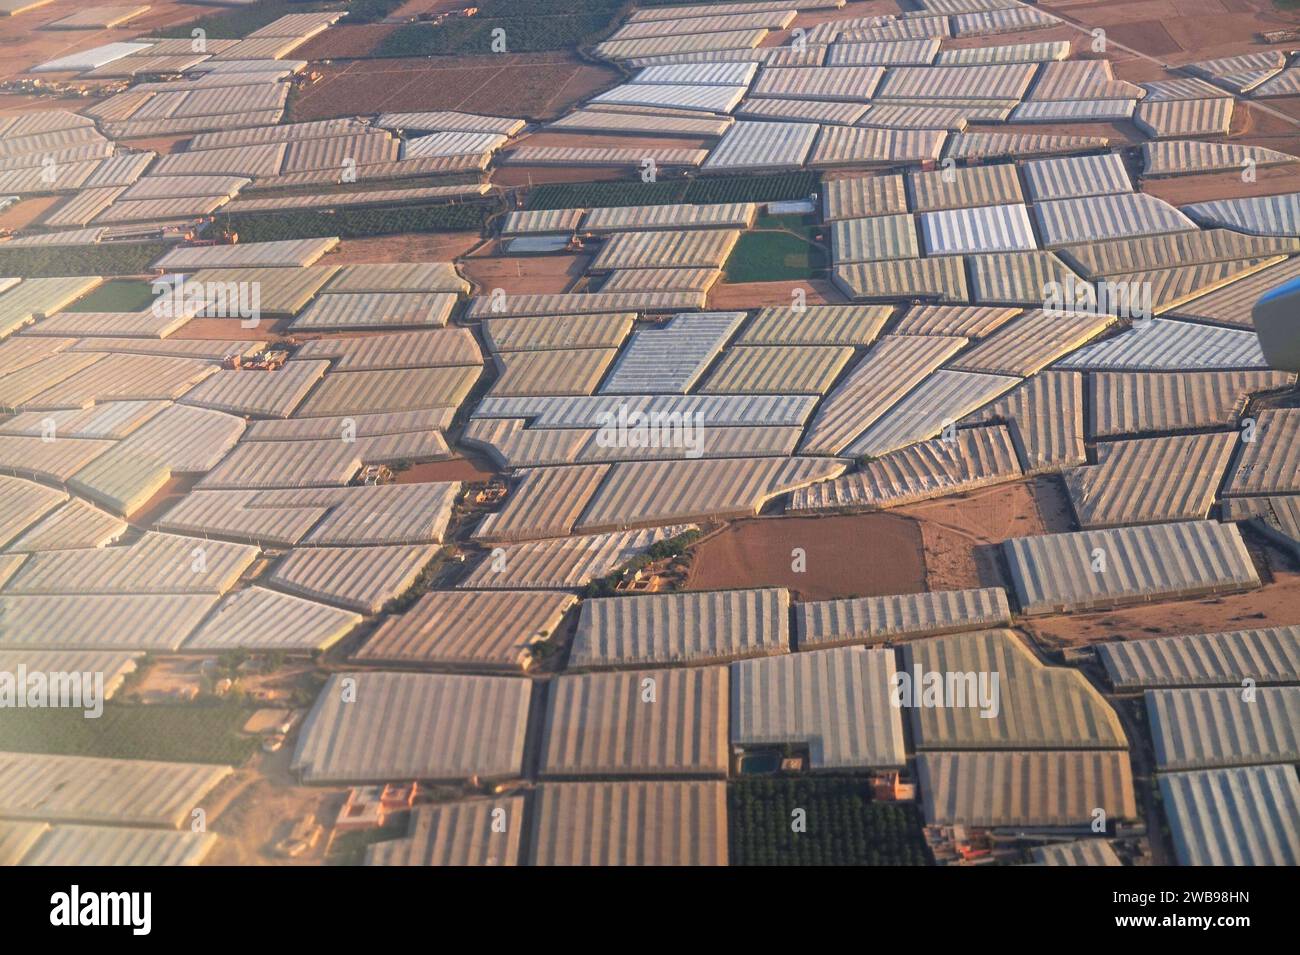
(231, 329)
(457, 469)
(1275, 605)
(22, 214)
(758, 294)
(527, 85)
(960, 533)
(531, 175)
(1180, 190)
(521, 275)
(855, 555)
(1180, 31)
(344, 42)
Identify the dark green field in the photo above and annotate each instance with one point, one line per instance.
(634, 192)
(195, 733)
(359, 223)
(119, 295)
(529, 26)
(844, 826)
(778, 249)
(124, 259)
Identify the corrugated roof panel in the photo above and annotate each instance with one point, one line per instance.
(1126, 403)
(630, 823)
(864, 196)
(962, 187)
(1055, 573)
(816, 325)
(1189, 117)
(1247, 816)
(456, 833)
(661, 492)
(1164, 345)
(1025, 789)
(976, 458)
(672, 358)
(659, 629)
(414, 726)
(888, 371)
(259, 620)
(487, 629)
(1148, 480)
(856, 145)
(1270, 462)
(1217, 728)
(941, 279)
(1032, 706)
(836, 702)
(829, 623)
(1117, 216)
(1075, 176)
(756, 146)
(638, 723)
(1257, 215)
(939, 400)
(1004, 228)
(1269, 655)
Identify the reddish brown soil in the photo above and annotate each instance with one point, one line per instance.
(1181, 190)
(457, 469)
(757, 294)
(22, 214)
(847, 556)
(222, 329)
(341, 42)
(533, 86)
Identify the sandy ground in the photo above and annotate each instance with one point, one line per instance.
(345, 41)
(532, 86)
(853, 555)
(520, 275)
(1277, 604)
(960, 533)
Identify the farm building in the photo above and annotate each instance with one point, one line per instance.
(941, 399)
(661, 629)
(671, 359)
(67, 845)
(1085, 852)
(762, 147)
(836, 703)
(888, 372)
(862, 196)
(264, 621)
(1056, 573)
(118, 622)
(935, 279)
(363, 579)
(371, 727)
(856, 325)
(1266, 656)
(960, 188)
(1167, 345)
(1127, 403)
(637, 723)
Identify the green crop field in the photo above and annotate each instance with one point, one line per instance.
(777, 251)
(119, 295)
(573, 195)
(116, 259)
(358, 223)
(196, 733)
(528, 26)
(843, 825)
